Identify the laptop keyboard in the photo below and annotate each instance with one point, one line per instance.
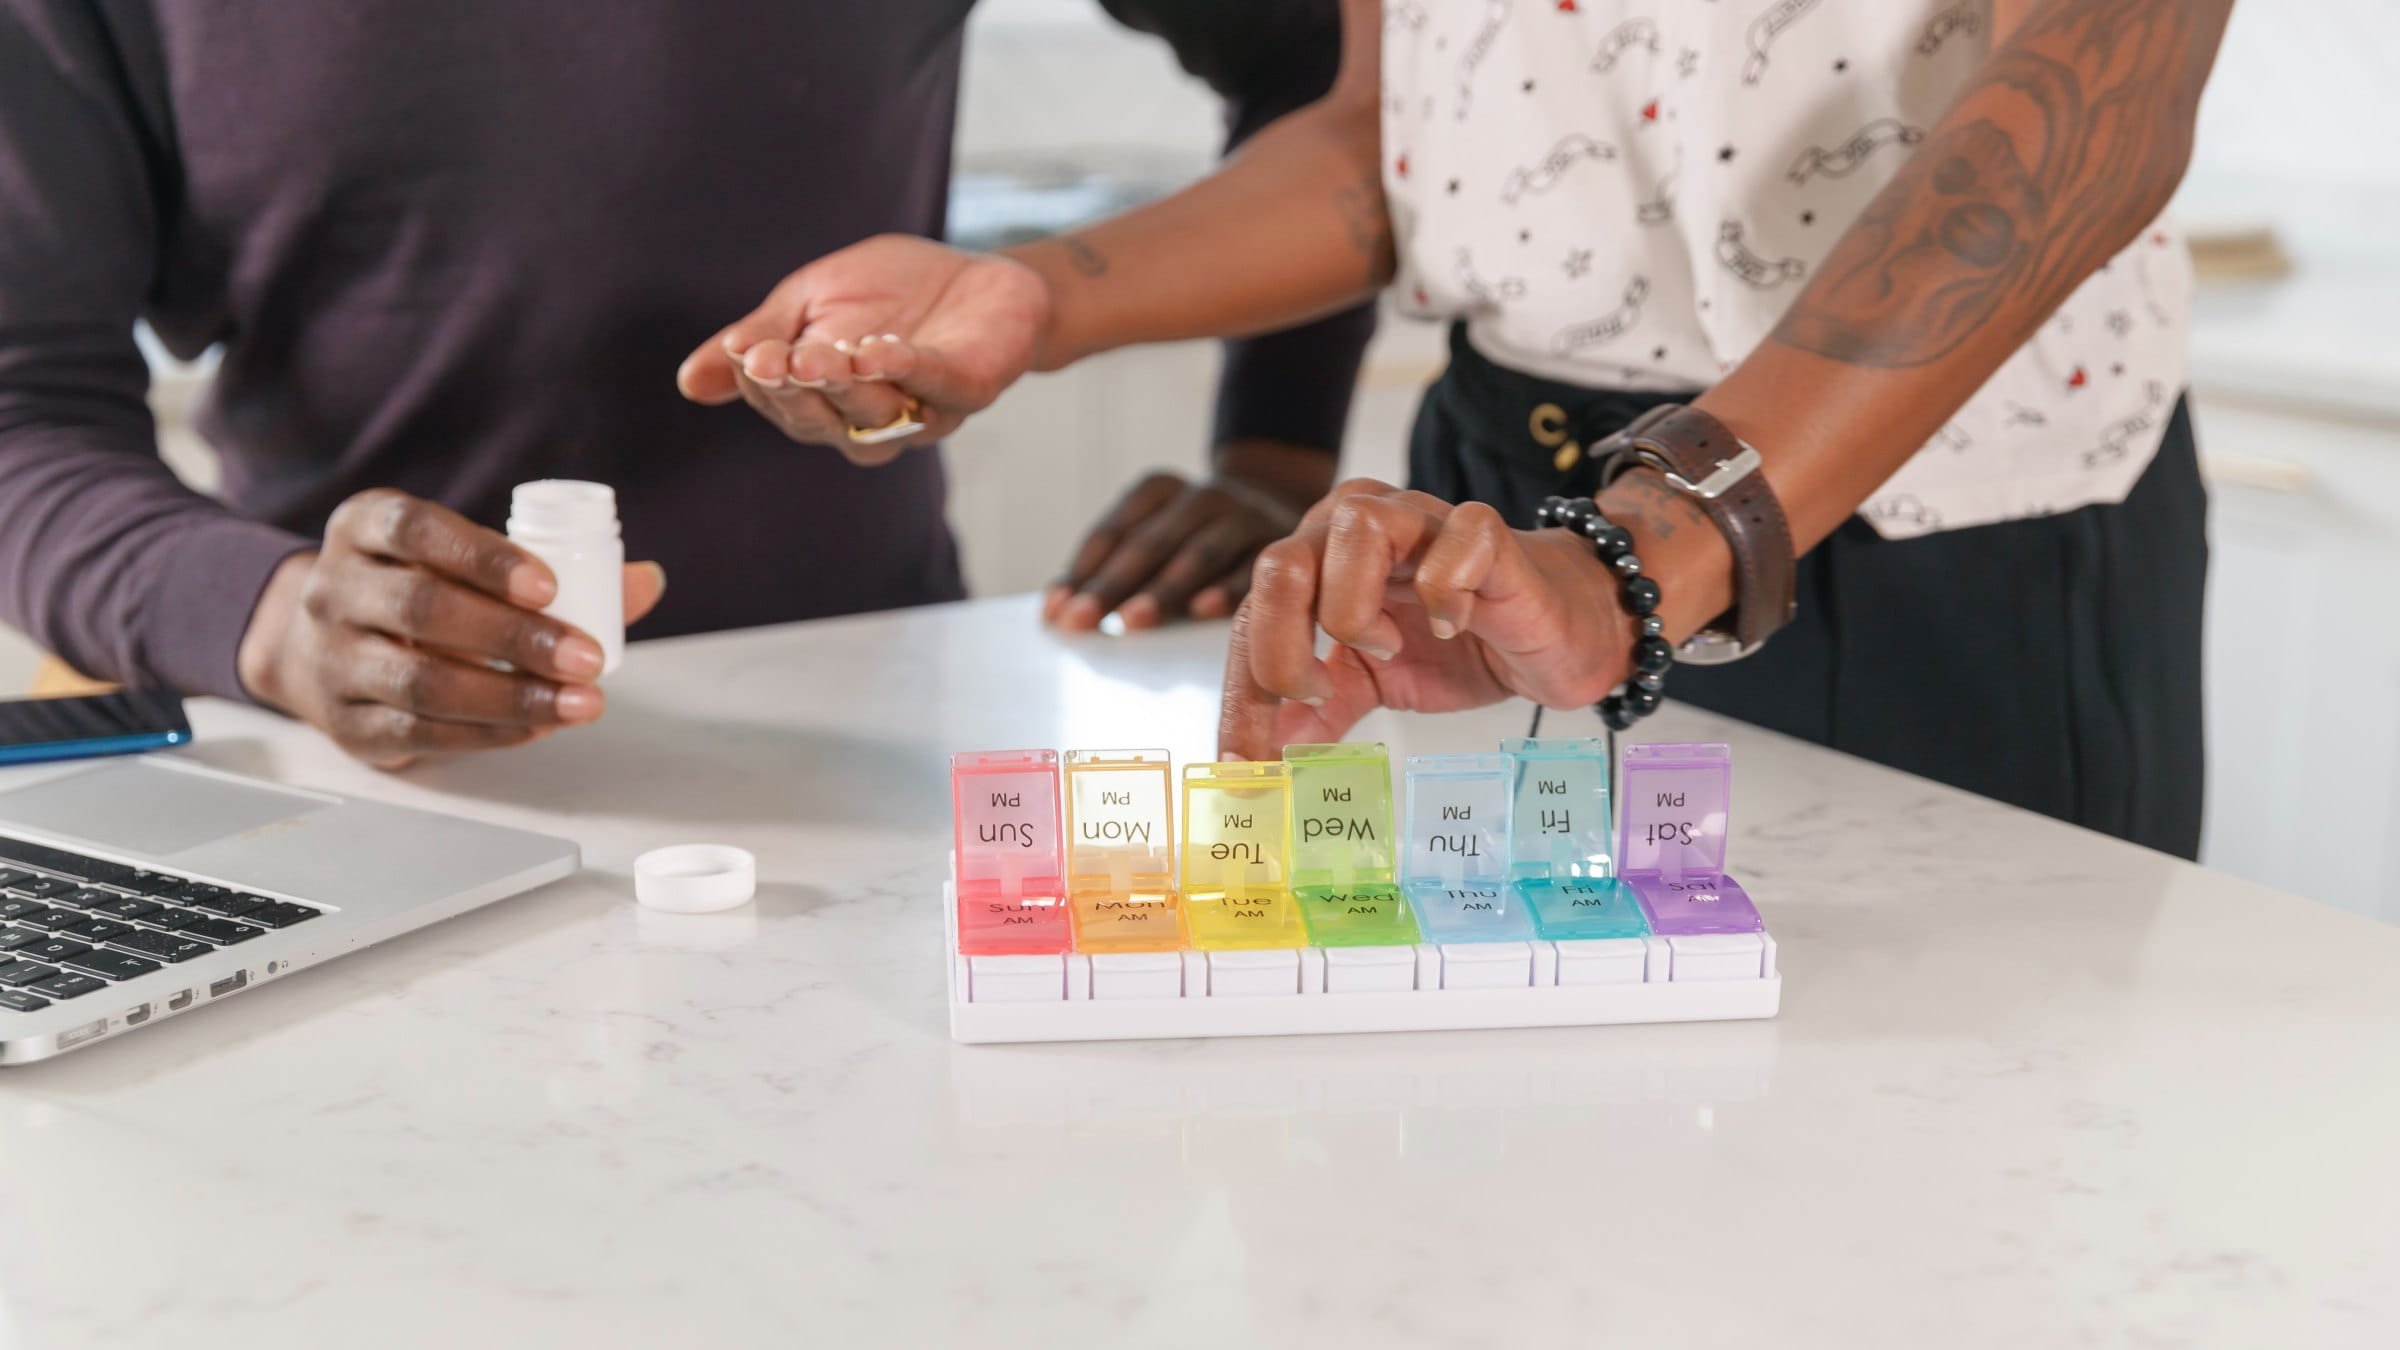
(72, 925)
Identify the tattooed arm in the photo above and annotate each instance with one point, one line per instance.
(1292, 227)
(2058, 154)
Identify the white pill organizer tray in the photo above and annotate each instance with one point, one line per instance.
(1295, 899)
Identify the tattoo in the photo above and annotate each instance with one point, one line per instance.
(2069, 140)
(1370, 224)
(1085, 259)
(1641, 501)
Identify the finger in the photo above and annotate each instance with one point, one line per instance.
(1246, 715)
(1369, 541)
(391, 737)
(1282, 622)
(1222, 548)
(1458, 564)
(378, 670)
(825, 367)
(1149, 495)
(420, 606)
(1146, 549)
(389, 524)
(1478, 577)
(709, 374)
(645, 585)
(768, 363)
(1221, 599)
(1351, 487)
(801, 414)
(1255, 723)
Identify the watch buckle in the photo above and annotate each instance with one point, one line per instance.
(1729, 472)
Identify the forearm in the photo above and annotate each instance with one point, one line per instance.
(1291, 227)
(1263, 243)
(2065, 146)
(108, 561)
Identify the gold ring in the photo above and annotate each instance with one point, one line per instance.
(910, 421)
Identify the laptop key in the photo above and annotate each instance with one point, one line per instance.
(170, 917)
(55, 919)
(51, 949)
(281, 914)
(223, 932)
(193, 892)
(10, 876)
(99, 930)
(13, 908)
(68, 985)
(13, 938)
(16, 973)
(232, 906)
(111, 965)
(42, 888)
(87, 897)
(163, 946)
(128, 907)
(20, 1001)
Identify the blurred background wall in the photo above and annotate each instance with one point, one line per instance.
(2296, 379)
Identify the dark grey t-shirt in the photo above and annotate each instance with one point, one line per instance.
(448, 246)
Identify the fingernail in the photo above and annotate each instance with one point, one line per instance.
(846, 347)
(1442, 628)
(1314, 701)
(578, 657)
(530, 586)
(1139, 612)
(579, 703)
(810, 384)
(891, 337)
(1083, 611)
(658, 573)
(1379, 653)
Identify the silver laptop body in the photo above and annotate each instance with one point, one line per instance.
(374, 872)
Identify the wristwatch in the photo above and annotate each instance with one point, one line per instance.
(1702, 459)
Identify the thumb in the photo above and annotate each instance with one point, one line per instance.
(645, 582)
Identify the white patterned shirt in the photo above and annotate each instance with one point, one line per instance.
(1629, 193)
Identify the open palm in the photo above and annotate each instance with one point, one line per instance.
(839, 342)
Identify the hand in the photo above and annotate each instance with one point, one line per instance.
(384, 638)
(1432, 608)
(840, 342)
(1170, 546)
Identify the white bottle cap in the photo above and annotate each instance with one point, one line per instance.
(695, 878)
(562, 506)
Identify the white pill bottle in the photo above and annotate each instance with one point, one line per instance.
(573, 527)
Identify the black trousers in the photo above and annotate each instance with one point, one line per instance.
(2050, 663)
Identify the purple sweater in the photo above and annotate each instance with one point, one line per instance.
(447, 246)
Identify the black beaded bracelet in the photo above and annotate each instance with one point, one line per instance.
(1639, 696)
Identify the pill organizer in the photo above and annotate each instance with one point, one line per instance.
(1501, 893)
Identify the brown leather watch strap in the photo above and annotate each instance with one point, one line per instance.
(1702, 458)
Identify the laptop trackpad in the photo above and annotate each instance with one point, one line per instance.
(137, 806)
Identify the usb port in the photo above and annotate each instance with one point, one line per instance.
(88, 1031)
(134, 1017)
(239, 979)
(179, 1002)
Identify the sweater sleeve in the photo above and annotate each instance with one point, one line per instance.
(1267, 58)
(105, 557)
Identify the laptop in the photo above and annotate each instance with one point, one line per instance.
(136, 890)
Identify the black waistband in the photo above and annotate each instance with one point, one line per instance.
(1499, 406)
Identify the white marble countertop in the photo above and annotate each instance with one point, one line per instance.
(2030, 1086)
